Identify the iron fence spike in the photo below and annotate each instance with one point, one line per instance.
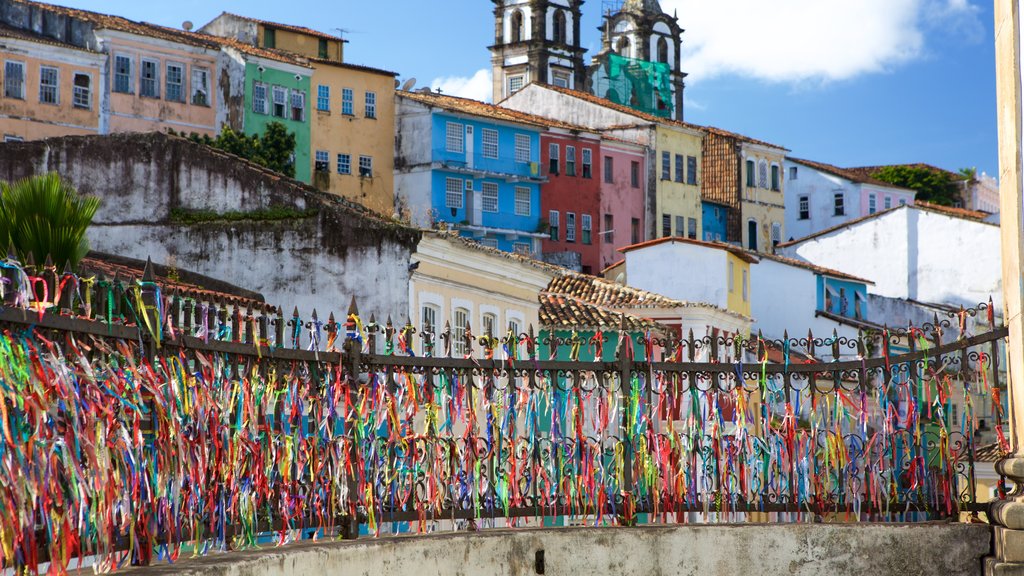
(147, 272)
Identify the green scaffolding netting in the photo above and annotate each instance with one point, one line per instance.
(640, 84)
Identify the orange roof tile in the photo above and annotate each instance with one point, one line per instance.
(290, 27)
(954, 212)
(859, 176)
(478, 108)
(562, 311)
(11, 32)
(740, 253)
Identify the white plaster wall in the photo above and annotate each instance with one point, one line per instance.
(785, 298)
(820, 188)
(412, 194)
(916, 254)
(681, 271)
(548, 103)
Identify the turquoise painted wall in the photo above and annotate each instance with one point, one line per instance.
(255, 122)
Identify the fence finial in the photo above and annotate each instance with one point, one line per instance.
(353, 310)
(147, 272)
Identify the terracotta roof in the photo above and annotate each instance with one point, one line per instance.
(454, 238)
(562, 311)
(854, 322)
(289, 27)
(359, 67)
(814, 268)
(478, 108)
(740, 253)
(268, 53)
(612, 267)
(954, 212)
(990, 453)
(184, 283)
(11, 32)
(859, 176)
(588, 97)
(109, 22)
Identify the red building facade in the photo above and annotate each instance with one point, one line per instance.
(571, 199)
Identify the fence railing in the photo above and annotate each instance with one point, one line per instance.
(138, 423)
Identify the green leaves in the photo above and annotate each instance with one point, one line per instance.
(44, 216)
(931, 185)
(274, 150)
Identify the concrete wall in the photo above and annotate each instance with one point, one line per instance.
(318, 261)
(796, 550)
(786, 298)
(646, 269)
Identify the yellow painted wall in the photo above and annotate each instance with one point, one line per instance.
(675, 198)
(735, 300)
(356, 135)
(761, 203)
(29, 119)
(305, 44)
(134, 113)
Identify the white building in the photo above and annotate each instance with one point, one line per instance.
(819, 196)
(924, 252)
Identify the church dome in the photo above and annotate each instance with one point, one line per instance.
(642, 6)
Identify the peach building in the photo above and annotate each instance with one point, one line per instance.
(50, 88)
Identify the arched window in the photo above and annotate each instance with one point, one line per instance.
(460, 320)
(663, 50)
(558, 31)
(622, 47)
(517, 26)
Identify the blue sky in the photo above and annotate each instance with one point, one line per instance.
(839, 81)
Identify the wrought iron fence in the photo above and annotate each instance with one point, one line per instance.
(138, 423)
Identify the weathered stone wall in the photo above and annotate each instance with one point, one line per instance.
(795, 550)
(319, 261)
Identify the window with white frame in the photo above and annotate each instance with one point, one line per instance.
(776, 184)
(453, 193)
(523, 152)
(14, 80)
(872, 204)
(298, 112)
(344, 164)
(259, 98)
(323, 98)
(560, 79)
(81, 96)
(366, 166)
(524, 248)
(570, 226)
(489, 197)
(515, 84)
(280, 101)
(792, 172)
(174, 80)
(48, 85)
(554, 158)
(762, 174)
(585, 228)
(776, 233)
(490, 143)
(838, 204)
(460, 318)
(428, 318)
(455, 137)
(321, 161)
(370, 108)
(149, 79)
(522, 201)
(553, 224)
(570, 160)
(347, 98)
(487, 324)
(588, 161)
(888, 202)
(805, 208)
(200, 86)
(122, 74)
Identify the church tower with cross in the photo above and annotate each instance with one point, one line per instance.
(536, 41)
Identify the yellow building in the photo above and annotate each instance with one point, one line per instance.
(352, 135)
(458, 281)
(296, 39)
(50, 88)
(678, 154)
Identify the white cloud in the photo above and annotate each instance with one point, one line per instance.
(811, 40)
(478, 86)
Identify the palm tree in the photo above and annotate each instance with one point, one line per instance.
(44, 216)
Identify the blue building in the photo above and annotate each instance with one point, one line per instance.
(713, 217)
(469, 166)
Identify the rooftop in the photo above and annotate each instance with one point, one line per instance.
(852, 175)
(869, 171)
(567, 312)
(740, 253)
(289, 27)
(814, 268)
(485, 110)
(11, 32)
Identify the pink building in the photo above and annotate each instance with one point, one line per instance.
(623, 195)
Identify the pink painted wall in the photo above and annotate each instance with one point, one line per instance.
(881, 193)
(620, 198)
